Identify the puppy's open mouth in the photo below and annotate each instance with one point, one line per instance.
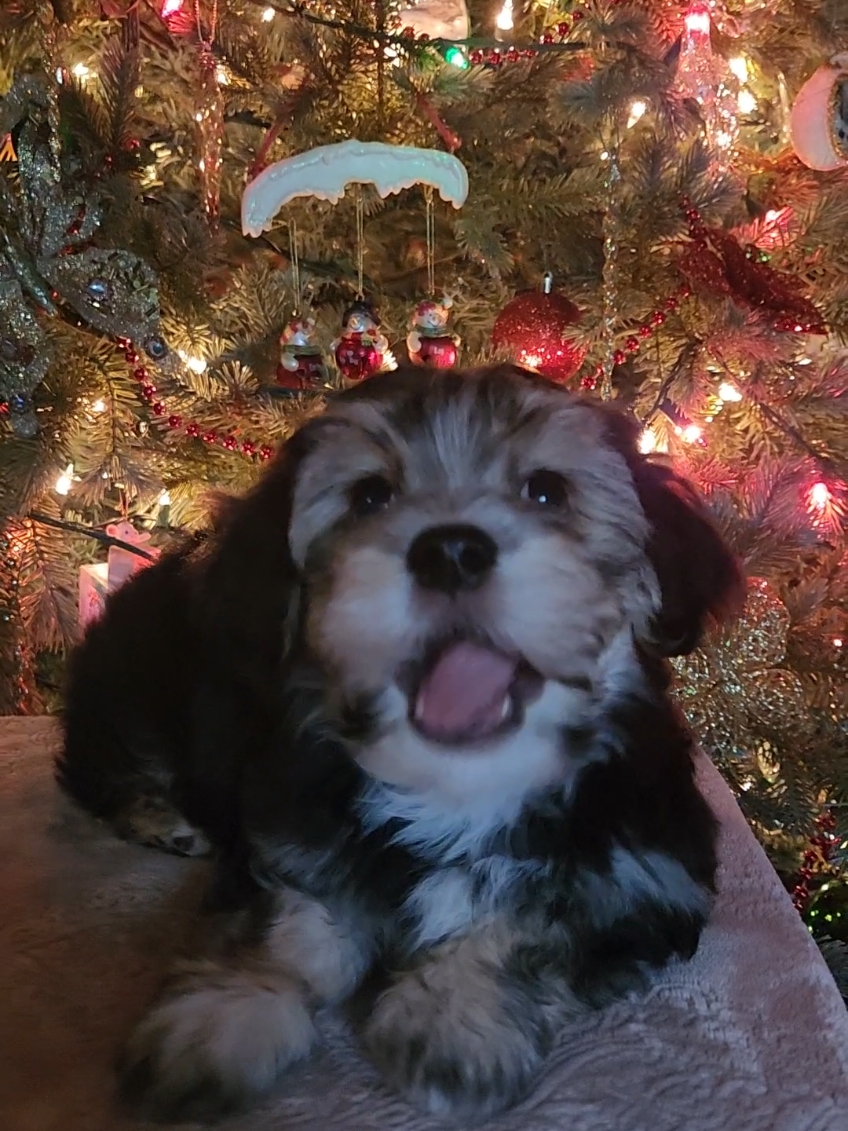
(467, 692)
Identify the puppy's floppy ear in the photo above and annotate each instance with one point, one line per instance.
(248, 588)
(700, 579)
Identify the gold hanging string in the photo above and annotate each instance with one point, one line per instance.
(295, 267)
(360, 241)
(431, 241)
(210, 115)
(213, 23)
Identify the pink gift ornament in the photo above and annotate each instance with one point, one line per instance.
(98, 580)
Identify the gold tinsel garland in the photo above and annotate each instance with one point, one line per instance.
(737, 690)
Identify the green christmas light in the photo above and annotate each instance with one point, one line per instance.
(456, 57)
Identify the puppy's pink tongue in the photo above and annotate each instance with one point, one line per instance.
(465, 696)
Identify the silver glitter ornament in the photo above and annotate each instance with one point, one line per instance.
(22, 416)
(25, 354)
(50, 217)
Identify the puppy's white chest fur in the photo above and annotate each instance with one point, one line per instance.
(471, 881)
(449, 901)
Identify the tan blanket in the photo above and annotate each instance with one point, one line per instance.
(750, 1036)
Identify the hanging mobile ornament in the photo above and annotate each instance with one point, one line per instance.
(360, 349)
(301, 364)
(430, 341)
(325, 173)
(209, 118)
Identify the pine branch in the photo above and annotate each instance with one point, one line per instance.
(119, 80)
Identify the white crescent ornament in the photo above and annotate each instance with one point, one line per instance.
(439, 19)
(326, 172)
(818, 124)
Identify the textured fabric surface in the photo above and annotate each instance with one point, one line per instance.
(749, 1036)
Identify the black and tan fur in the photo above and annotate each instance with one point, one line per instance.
(254, 691)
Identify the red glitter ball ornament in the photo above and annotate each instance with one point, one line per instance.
(533, 328)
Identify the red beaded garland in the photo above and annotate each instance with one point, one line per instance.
(821, 848)
(175, 421)
(633, 343)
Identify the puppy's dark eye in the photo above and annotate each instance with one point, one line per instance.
(547, 488)
(370, 495)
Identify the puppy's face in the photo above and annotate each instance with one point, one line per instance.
(475, 556)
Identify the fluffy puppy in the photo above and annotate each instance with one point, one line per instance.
(413, 686)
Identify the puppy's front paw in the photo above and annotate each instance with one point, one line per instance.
(209, 1048)
(155, 822)
(457, 1056)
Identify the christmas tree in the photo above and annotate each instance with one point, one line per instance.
(646, 200)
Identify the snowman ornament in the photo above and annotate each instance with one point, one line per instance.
(430, 342)
(360, 348)
(301, 364)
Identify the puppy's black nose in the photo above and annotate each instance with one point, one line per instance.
(450, 558)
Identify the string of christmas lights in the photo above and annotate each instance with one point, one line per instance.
(472, 50)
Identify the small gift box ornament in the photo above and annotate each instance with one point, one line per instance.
(98, 580)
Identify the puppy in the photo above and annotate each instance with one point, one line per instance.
(413, 687)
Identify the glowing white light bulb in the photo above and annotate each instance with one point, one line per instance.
(691, 434)
(504, 20)
(746, 102)
(526, 357)
(80, 70)
(99, 406)
(195, 364)
(222, 77)
(171, 7)
(268, 15)
(837, 642)
(165, 499)
(63, 483)
(637, 109)
(698, 21)
(819, 495)
(648, 441)
(739, 67)
(728, 392)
